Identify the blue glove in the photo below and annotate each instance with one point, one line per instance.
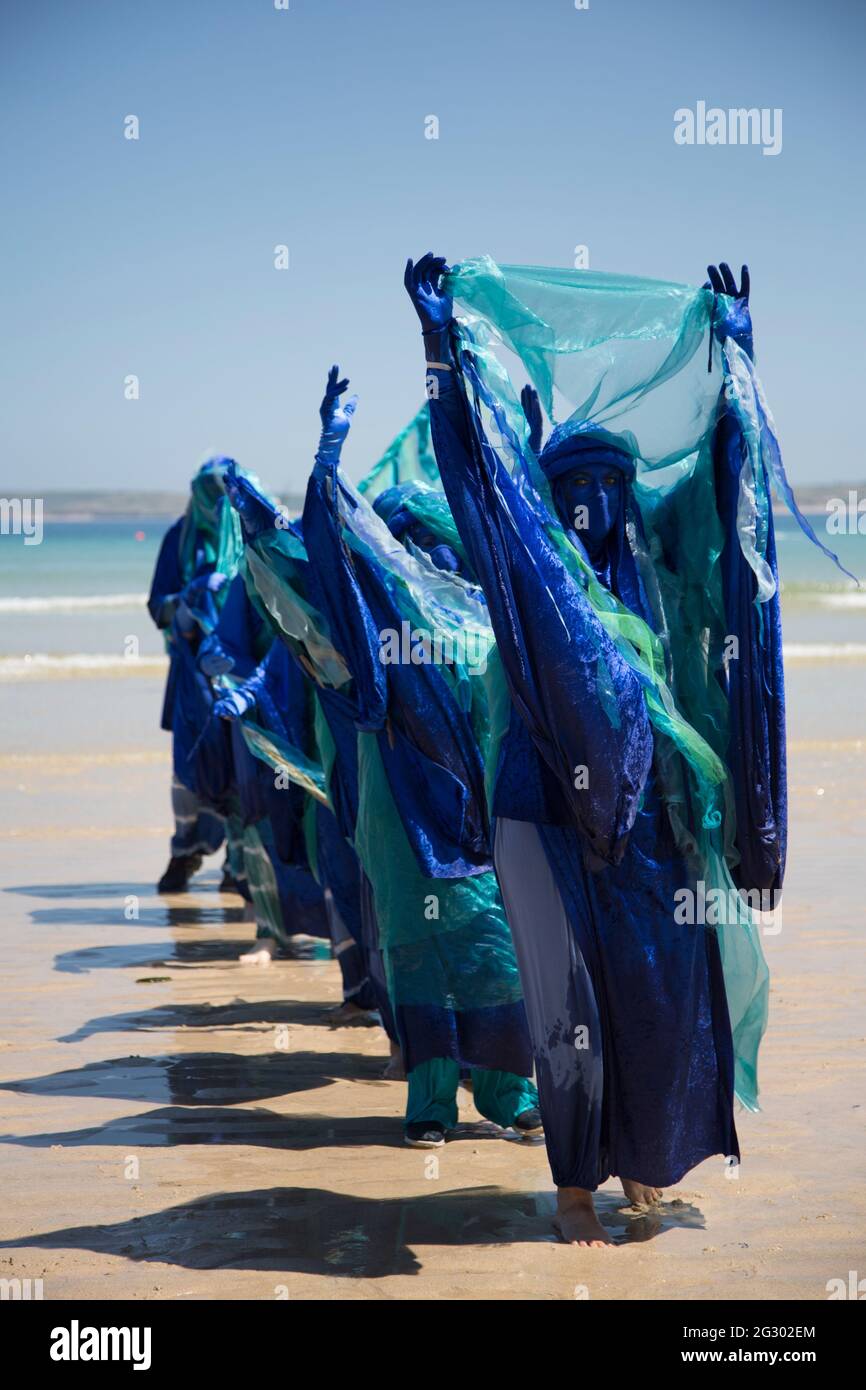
(336, 418)
(233, 704)
(204, 584)
(212, 658)
(532, 410)
(736, 323)
(433, 306)
(257, 513)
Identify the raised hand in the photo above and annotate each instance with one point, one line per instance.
(736, 321)
(336, 417)
(423, 281)
(532, 410)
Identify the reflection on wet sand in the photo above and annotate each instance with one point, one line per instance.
(150, 953)
(240, 1016)
(203, 1078)
(304, 1169)
(316, 1231)
(160, 916)
(116, 891)
(214, 1125)
(308, 1229)
(211, 1102)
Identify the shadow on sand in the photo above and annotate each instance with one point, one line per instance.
(316, 1231)
(204, 1078)
(151, 953)
(160, 916)
(240, 1015)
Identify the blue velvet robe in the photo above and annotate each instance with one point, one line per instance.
(242, 644)
(668, 1073)
(200, 747)
(452, 977)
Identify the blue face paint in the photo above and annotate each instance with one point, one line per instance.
(588, 499)
(441, 554)
(444, 558)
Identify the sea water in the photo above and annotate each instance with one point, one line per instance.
(76, 603)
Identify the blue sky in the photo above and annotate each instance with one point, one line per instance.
(306, 127)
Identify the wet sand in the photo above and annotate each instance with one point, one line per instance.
(175, 1125)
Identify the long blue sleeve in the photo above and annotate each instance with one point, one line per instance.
(556, 656)
(278, 687)
(167, 580)
(335, 591)
(754, 684)
(236, 644)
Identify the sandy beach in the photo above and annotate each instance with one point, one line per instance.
(175, 1125)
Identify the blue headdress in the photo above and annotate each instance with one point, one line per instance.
(580, 441)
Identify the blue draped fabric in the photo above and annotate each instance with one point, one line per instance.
(338, 715)
(200, 747)
(166, 583)
(334, 588)
(289, 571)
(428, 749)
(283, 707)
(236, 645)
(753, 682)
(322, 613)
(667, 1052)
(339, 870)
(193, 548)
(422, 825)
(560, 665)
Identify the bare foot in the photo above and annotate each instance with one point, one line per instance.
(395, 1070)
(576, 1222)
(639, 1194)
(262, 953)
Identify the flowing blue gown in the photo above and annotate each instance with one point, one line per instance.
(653, 1095)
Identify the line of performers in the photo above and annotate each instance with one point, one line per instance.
(485, 720)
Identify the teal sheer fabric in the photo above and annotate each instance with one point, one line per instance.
(271, 566)
(211, 529)
(446, 941)
(285, 759)
(610, 347)
(639, 358)
(429, 599)
(408, 458)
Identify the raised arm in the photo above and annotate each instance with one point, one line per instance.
(334, 587)
(753, 675)
(579, 698)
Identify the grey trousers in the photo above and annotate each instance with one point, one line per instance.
(197, 829)
(564, 1023)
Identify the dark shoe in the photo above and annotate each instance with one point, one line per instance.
(528, 1123)
(228, 882)
(425, 1134)
(180, 870)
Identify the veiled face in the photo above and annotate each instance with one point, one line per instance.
(588, 500)
(442, 555)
